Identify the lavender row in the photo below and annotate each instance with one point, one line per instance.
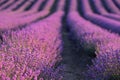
(113, 16)
(105, 44)
(47, 8)
(117, 2)
(21, 3)
(33, 51)
(99, 7)
(11, 22)
(3, 2)
(22, 8)
(17, 13)
(24, 18)
(86, 6)
(49, 4)
(15, 5)
(9, 2)
(33, 9)
(32, 3)
(73, 5)
(91, 38)
(101, 10)
(61, 5)
(104, 22)
(37, 5)
(111, 6)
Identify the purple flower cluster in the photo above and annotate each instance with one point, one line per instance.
(32, 52)
(105, 66)
(106, 46)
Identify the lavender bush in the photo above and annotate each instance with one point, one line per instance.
(106, 47)
(33, 51)
(105, 67)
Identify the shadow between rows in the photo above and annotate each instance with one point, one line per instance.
(74, 58)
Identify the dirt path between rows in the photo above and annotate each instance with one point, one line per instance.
(74, 58)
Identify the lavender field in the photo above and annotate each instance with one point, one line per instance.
(59, 39)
